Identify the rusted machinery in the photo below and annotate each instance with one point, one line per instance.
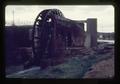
(52, 34)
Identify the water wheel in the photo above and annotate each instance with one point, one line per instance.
(43, 34)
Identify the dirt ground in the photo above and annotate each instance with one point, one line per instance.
(98, 64)
(103, 69)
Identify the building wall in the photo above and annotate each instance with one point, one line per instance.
(15, 38)
(105, 36)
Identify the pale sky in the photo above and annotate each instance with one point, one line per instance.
(26, 14)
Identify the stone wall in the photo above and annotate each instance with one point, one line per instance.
(15, 38)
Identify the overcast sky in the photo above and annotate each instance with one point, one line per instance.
(26, 14)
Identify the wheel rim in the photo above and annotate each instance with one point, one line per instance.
(39, 32)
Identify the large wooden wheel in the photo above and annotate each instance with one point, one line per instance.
(43, 36)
